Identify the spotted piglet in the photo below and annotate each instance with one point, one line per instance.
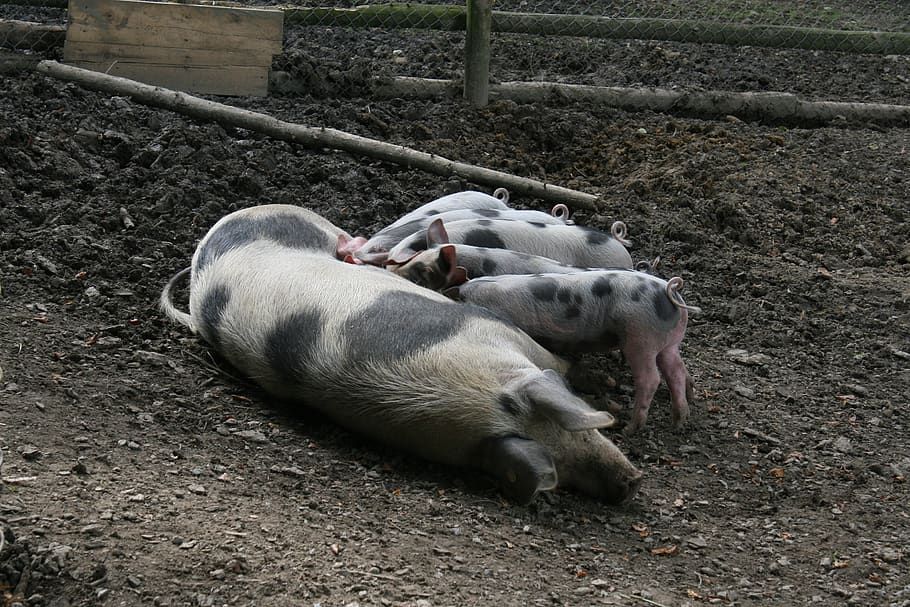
(393, 361)
(375, 250)
(568, 244)
(642, 315)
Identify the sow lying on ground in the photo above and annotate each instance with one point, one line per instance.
(392, 360)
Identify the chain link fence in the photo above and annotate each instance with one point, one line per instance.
(340, 47)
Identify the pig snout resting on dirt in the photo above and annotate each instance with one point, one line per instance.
(599, 310)
(376, 249)
(569, 244)
(452, 264)
(401, 364)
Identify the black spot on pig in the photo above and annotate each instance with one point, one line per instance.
(432, 212)
(663, 307)
(573, 312)
(602, 287)
(564, 295)
(509, 405)
(593, 236)
(537, 224)
(544, 289)
(398, 324)
(484, 238)
(484, 222)
(489, 265)
(291, 345)
(211, 310)
(487, 212)
(286, 229)
(641, 289)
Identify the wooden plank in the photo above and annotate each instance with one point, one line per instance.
(171, 25)
(211, 80)
(101, 52)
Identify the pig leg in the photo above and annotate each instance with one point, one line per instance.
(647, 379)
(522, 466)
(678, 381)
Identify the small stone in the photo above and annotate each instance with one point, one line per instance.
(92, 292)
(745, 358)
(856, 389)
(30, 452)
(745, 392)
(843, 444)
(697, 542)
(890, 555)
(253, 435)
(133, 581)
(197, 489)
(108, 341)
(151, 358)
(94, 529)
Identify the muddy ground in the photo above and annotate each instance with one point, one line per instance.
(140, 470)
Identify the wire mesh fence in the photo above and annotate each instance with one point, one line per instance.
(343, 46)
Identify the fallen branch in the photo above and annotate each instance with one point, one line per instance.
(767, 107)
(312, 137)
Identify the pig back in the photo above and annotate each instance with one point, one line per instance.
(282, 224)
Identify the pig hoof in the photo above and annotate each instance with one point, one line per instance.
(522, 466)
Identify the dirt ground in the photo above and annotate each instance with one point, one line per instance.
(140, 470)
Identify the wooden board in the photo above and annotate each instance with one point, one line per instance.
(201, 49)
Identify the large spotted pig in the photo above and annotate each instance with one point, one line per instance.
(569, 244)
(599, 310)
(375, 250)
(396, 362)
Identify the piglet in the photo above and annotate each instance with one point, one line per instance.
(393, 361)
(375, 250)
(450, 265)
(642, 315)
(568, 244)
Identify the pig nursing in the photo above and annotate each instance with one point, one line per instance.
(448, 381)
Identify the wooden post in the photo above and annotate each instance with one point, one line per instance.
(477, 52)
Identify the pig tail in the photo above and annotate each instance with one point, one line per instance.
(501, 194)
(619, 232)
(674, 285)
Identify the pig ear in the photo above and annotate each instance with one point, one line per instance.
(549, 396)
(522, 466)
(454, 293)
(455, 274)
(436, 234)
